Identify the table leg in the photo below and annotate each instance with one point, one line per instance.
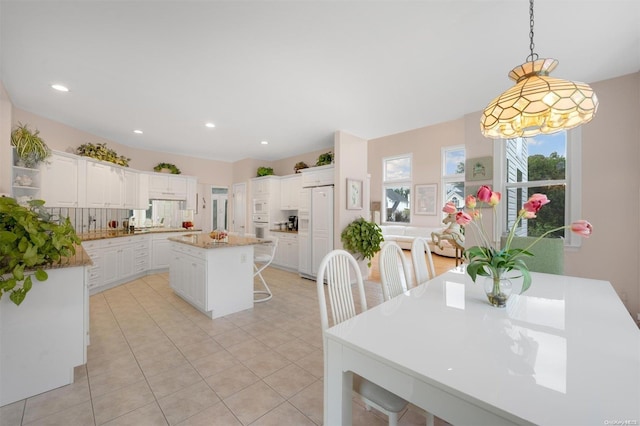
(338, 387)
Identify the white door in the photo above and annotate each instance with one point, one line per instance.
(218, 208)
(240, 208)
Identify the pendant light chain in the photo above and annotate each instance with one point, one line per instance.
(533, 56)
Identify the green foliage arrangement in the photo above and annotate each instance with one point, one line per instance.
(363, 238)
(171, 167)
(324, 159)
(264, 171)
(100, 152)
(30, 240)
(29, 146)
(299, 166)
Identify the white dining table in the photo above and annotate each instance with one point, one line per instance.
(566, 352)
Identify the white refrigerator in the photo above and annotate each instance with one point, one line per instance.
(315, 228)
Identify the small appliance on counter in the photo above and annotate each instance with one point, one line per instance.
(292, 225)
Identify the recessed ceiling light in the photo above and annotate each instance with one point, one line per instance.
(138, 132)
(264, 143)
(59, 87)
(210, 125)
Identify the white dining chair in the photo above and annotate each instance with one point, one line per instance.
(423, 269)
(339, 269)
(394, 270)
(263, 255)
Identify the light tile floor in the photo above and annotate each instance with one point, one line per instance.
(155, 360)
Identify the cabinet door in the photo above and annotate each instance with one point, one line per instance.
(114, 188)
(60, 181)
(110, 265)
(126, 259)
(160, 253)
(192, 185)
(130, 200)
(97, 180)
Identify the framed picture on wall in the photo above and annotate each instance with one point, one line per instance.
(354, 194)
(479, 169)
(426, 199)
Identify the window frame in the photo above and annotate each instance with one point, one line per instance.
(453, 178)
(408, 182)
(572, 181)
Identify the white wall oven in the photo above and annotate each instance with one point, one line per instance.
(261, 225)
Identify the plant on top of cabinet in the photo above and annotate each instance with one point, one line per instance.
(30, 147)
(363, 238)
(100, 151)
(299, 166)
(264, 171)
(30, 240)
(170, 168)
(324, 159)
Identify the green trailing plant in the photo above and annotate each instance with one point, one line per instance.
(29, 241)
(30, 147)
(264, 171)
(100, 152)
(362, 238)
(324, 159)
(171, 167)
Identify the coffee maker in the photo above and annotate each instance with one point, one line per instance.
(292, 225)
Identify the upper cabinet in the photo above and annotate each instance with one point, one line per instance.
(265, 186)
(163, 186)
(290, 191)
(59, 176)
(105, 186)
(317, 176)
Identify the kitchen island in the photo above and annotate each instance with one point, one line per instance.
(216, 277)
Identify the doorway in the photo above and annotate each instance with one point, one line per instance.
(239, 207)
(219, 208)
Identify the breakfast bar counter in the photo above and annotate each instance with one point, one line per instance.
(213, 275)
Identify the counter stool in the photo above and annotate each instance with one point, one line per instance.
(263, 255)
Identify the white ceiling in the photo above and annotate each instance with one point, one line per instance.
(290, 72)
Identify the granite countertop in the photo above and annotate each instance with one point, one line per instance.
(81, 258)
(204, 241)
(101, 234)
(286, 231)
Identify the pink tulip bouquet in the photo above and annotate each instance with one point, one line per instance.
(485, 260)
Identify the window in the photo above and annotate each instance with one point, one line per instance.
(453, 175)
(547, 164)
(397, 189)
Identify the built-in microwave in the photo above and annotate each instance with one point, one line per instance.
(260, 206)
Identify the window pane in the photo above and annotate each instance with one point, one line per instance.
(397, 169)
(454, 192)
(398, 203)
(551, 216)
(542, 157)
(454, 162)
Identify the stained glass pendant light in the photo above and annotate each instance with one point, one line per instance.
(538, 103)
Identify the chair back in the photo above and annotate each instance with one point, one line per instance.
(336, 269)
(422, 261)
(264, 253)
(548, 253)
(394, 278)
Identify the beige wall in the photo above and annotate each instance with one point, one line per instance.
(610, 180)
(61, 137)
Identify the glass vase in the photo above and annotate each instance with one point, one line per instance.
(498, 289)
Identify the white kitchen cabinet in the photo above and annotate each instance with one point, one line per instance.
(163, 186)
(266, 187)
(160, 249)
(131, 185)
(59, 177)
(286, 255)
(116, 260)
(104, 186)
(290, 192)
(192, 193)
(188, 274)
(317, 176)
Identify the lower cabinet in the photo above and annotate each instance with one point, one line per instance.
(286, 256)
(188, 275)
(160, 249)
(116, 261)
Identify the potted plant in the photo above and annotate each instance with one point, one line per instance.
(363, 238)
(299, 166)
(324, 159)
(167, 168)
(29, 146)
(101, 152)
(30, 240)
(264, 171)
